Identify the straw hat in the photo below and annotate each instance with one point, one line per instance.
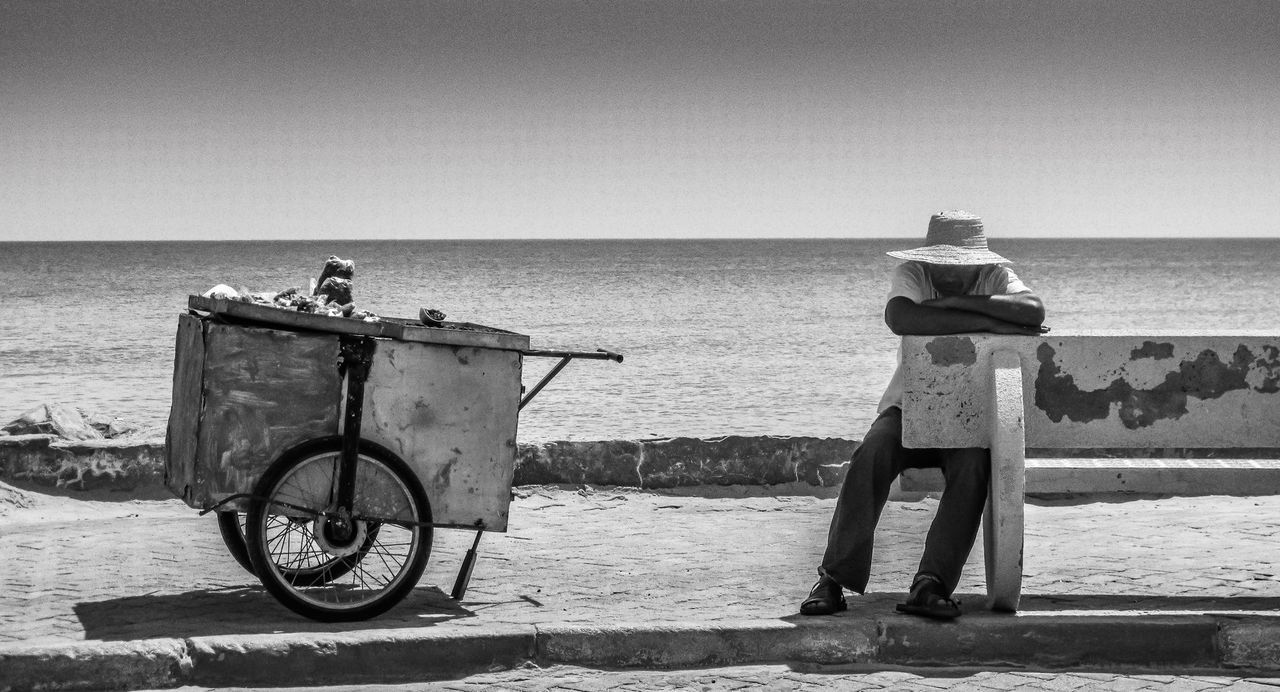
(955, 237)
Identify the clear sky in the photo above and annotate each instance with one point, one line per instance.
(633, 118)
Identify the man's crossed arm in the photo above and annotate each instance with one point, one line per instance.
(1012, 313)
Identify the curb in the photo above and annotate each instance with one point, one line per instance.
(94, 665)
(1067, 641)
(366, 656)
(1075, 640)
(693, 645)
(355, 657)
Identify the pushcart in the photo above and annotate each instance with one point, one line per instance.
(331, 448)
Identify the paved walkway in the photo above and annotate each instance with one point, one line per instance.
(126, 571)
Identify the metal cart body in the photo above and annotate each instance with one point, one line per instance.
(264, 397)
(243, 395)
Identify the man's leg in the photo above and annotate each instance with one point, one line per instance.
(876, 463)
(955, 527)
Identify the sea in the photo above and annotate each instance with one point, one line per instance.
(720, 337)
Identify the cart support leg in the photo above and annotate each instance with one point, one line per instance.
(464, 574)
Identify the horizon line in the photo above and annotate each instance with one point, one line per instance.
(623, 238)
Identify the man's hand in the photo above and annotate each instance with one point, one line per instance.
(1002, 327)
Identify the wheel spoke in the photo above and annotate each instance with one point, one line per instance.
(367, 576)
(383, 554)
(375, 573)
(378, 550)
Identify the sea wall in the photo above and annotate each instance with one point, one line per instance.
(135, 468)
(61, 449)
(685, 461)
(125, 468)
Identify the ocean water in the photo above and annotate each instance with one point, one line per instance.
(751, 337)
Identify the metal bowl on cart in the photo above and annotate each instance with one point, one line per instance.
(332, 448)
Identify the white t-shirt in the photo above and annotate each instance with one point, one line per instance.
(910, 280)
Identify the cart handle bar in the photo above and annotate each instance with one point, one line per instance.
(565, 357)
(598, 354)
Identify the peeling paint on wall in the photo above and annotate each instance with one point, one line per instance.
(1152, 350)
(1120, 391)
(1205, 377)
(952, 350)
(1266, 371)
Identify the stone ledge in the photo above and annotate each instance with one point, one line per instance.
(1051, 478)
(1065, 641)
(112, 665)
(135, 468)
(686, 461)
(47, 461)
(322, 659)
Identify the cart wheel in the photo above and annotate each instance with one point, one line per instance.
(311, 566)
(231, 526)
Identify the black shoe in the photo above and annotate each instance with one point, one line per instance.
(926, 599)
(825, 598)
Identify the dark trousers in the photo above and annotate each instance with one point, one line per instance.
(876, 463)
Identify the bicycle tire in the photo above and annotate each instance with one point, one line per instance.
(233, 536)
(289, 519)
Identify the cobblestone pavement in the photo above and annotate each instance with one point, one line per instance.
(135, 570)
(778, 677)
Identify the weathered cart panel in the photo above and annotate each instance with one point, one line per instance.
(450, 412)
(243, 395)
(184, 417)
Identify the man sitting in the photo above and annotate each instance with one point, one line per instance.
(951, 285)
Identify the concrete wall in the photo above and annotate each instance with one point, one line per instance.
(129, 469)
(134, 469)
(684, 461)
(1099, 390)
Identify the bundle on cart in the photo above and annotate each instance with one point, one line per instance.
(330, 294)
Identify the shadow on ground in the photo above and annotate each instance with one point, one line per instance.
(243, 610)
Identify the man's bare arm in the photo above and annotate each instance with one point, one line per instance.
(1019, 308)
(904, 316)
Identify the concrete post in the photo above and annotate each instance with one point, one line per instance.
(1002, 523)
